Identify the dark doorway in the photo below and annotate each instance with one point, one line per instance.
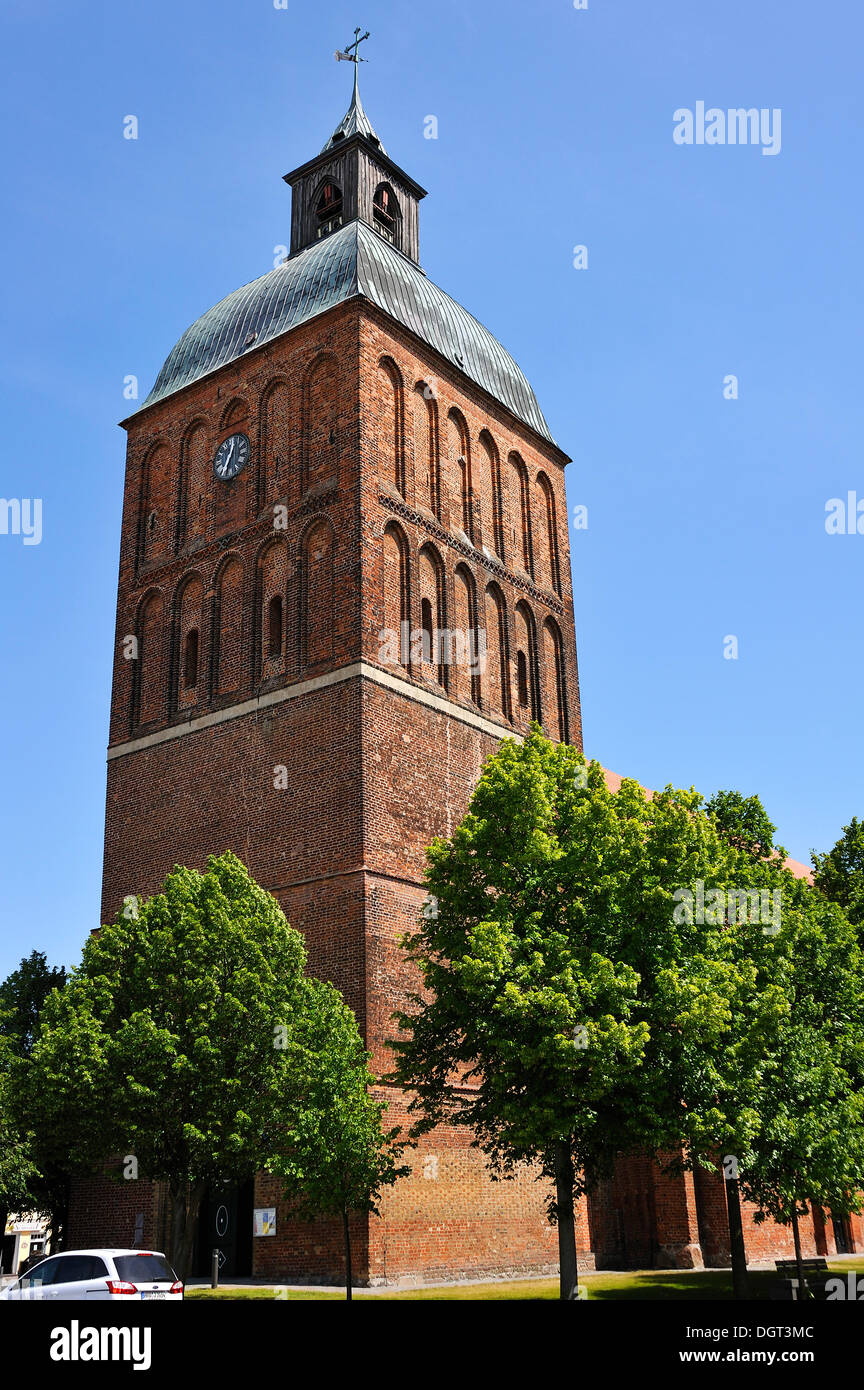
(226, 1226)
(842, 1240)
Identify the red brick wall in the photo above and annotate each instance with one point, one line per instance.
(350, 512)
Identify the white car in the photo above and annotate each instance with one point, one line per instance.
(101, 1274)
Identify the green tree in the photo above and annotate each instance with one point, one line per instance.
(809, 1148)
(335, 1156)
(19, 1176)
(45, 1187)
(743, 821)
(22, 998)
(547, 958)
(840, 873)
(169, 1044)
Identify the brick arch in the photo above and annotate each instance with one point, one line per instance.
(391, 447)
(521, 502)
(433, 616)
(395, 595)
(496, 676)
(549, 530)
(187, 621)
(427, 468)
(274, 437)
(466, 649)
(494, 532)
(554, 682)
(272, 575)
(236, 412)
(459, 465)
(148, 685)
(226, 628)
(527, 674)
(195, 459)
(320, 393)
(155, 538)
(316, 636)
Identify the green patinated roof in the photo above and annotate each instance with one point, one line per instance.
(355, 260)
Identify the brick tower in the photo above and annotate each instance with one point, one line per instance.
(345, 560)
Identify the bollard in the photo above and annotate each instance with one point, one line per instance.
(214, 1271)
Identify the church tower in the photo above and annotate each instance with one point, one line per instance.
(344, 577)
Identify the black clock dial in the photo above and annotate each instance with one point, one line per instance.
(231, 456)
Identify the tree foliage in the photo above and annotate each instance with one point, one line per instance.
(164, 1047)
(840, 873)
(334, 1155)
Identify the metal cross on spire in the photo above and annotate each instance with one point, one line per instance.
(346, 56)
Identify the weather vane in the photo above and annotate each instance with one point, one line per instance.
(346, 56)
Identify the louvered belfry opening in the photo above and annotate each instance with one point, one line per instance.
(385, 210)
(329, 209)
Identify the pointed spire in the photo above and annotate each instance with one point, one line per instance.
(355, 121)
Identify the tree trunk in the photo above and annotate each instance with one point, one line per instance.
(564, 1181)
(347, 1232)
(185, 1207)
(803, 1291)
(740, 1287)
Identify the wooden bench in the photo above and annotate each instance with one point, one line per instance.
(815, 1276)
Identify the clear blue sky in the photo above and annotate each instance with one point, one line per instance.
(706, 516)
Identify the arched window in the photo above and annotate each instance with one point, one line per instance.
(391, 437)
(147, 698)
(385, 210)
(274, 626)
(460, 454)
(316, 630)
(194, 473)
(321, 402)
(427, 481)
(526, 663)
(522, 518)
(328, 209)
(431, 574)
(496, 680)
(157, 486)
(185, 641)
(395, 633)
(229, 668)
(190, 660)
(467, 644)
(272, 583)
(490, 486)
(273, 476)
(555, 700)
(551, 566)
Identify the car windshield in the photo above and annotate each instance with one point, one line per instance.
(144, 1269)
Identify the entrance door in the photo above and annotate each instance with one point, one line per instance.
(842, 1242)
(226, 1226)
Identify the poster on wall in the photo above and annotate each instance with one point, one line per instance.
(264, 1221)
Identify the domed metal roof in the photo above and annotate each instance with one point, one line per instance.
(354, 260)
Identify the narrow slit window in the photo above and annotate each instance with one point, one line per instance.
(274, 627)
(190, 660)
(426, 623)
(522, 677)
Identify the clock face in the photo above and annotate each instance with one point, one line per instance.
(231, 456)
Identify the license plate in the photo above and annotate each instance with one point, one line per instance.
(153, 1293)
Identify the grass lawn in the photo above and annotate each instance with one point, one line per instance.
(702, 1285)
